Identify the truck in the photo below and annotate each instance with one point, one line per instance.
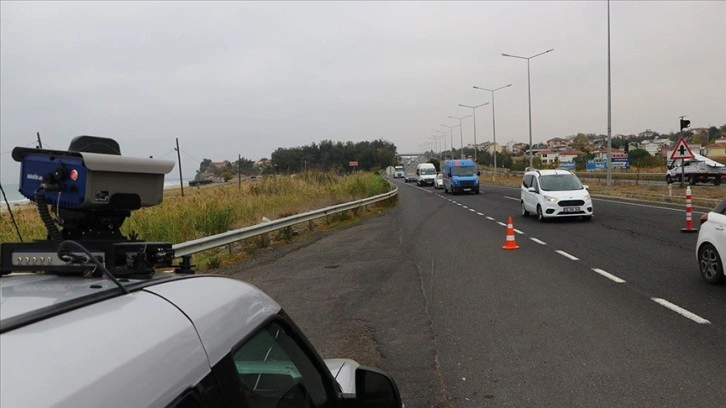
(699, 169)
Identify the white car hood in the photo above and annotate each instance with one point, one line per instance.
(567, 195)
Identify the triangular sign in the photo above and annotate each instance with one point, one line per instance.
(681, 151)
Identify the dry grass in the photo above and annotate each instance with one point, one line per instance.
(214, 209)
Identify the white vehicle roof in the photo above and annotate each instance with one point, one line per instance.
(546, 172)
(70, 341)
(708, 161)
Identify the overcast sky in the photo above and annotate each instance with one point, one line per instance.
(230, 78)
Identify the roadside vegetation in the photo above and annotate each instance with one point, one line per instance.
(213, 209)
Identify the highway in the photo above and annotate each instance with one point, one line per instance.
(610, 312)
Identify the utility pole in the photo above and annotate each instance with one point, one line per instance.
(239, 172)
(178, 156)
(609, 180)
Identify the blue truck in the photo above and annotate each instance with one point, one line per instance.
(460, 176)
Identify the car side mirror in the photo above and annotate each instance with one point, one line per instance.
(478, 173)
(531, 189)
(448, 175)
(375, 389)
(586, 186)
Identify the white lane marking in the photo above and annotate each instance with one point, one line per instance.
(538, 241)
(608, 275)
(479, 214)
(512, 198)
(472, 210)
(566, 255)
(681, 311)
(459, 204)
(464, 207)
(518, 231)
(501, 223)
(491, 219)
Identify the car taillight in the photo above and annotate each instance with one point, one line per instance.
(704, 218)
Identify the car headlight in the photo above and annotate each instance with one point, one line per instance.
(587, 197)
(550, 199)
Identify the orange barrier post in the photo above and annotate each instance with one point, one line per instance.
(689, 217)
(510, 243)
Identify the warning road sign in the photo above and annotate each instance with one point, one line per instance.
(681, 151)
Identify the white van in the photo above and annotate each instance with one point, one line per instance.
(554, 193)
(425, 174)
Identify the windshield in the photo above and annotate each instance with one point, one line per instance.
(399, 168)
(560, 182)
(463, 171)
(427, 171)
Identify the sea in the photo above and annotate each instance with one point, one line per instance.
(14, 197)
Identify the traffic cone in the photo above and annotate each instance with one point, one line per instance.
(510, 243)
(689, 210)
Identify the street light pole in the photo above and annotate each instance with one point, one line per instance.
(473, 113)
(438, 137)
(461, 132)
(529, 95)
(451, 134)
(610, 116)
(494, 126)
(442, 136)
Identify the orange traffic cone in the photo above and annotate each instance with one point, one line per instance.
(510, 243)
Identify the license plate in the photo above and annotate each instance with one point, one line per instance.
(467, 189)
(570, 209)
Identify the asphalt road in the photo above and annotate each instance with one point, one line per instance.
(574, 317)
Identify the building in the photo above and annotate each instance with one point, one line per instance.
(654, 146)
(550, 157)
(602, 154)
(714, 150)
(518, 148)
(557, 142)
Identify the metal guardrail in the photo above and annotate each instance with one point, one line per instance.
(229, 237)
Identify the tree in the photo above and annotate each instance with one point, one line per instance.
(702, 138)
(641, 158)
(581, 143)
(204, 165)
(713, 134)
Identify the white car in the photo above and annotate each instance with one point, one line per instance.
(553, 194)
(711, 244)
(170, 341)
(439, 181)
(399, 172)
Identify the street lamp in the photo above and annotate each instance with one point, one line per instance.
(442, 136)
(529, 95)
(437, 143)
(461, 133)
(451, 134)
(494, 127)
(473, 113)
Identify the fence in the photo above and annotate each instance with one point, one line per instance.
(185, 249)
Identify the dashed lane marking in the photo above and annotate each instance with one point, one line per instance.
(566, 255)
(681, 311)
(608, 275)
